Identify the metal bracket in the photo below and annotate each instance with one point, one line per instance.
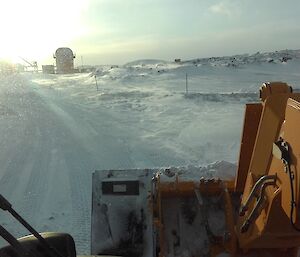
(281, 151)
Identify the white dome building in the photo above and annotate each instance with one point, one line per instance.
(64, 60)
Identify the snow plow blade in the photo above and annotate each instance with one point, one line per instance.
(146, 212)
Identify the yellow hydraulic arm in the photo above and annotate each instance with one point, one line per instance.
(268, 174)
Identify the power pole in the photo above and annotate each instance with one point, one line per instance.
(96, 82)
(186, 84)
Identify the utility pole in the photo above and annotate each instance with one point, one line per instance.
(96, 82)
(186, 84)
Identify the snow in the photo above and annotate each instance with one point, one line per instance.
(57, 129)
(218, 170)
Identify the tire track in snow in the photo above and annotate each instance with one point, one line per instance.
(79, 173)
(37, 184)
(83, 155)
(78, 164)
(22, 182)
(81, 211)
(41, 121)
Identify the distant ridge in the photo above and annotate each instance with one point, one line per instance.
(258, 57)
(145, 62)
(281, 56)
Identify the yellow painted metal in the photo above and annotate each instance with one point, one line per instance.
(271, 233)
(270, 123)
(251, 122)
(207, 187)
(272, 228)
(272, 88)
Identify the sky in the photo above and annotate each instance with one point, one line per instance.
(120, 31)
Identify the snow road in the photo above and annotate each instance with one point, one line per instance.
(43, 163)
(57, 129)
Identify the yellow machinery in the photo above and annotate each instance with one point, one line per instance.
(261, 207)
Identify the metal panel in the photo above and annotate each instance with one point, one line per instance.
(121, 220)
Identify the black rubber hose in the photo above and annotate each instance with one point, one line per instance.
(293, 203)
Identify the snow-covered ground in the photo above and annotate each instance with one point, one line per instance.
(55, 130)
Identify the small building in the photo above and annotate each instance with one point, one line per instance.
(64, 60)
(177, 60)
(48, 69)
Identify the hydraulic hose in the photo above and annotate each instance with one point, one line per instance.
(293, 202)
(256, 187)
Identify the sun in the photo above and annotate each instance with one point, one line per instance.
(34, 29)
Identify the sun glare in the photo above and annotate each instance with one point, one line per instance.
(33, 29)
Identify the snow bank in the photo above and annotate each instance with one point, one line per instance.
(218, 170)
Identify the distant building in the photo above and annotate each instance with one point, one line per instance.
(64, 60)
(48, 69)
(6, 68)
(178, 60)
